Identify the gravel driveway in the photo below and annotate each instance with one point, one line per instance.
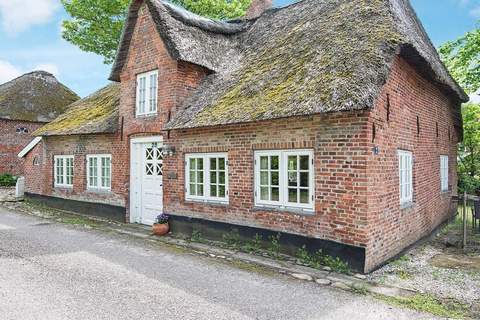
(55, 271)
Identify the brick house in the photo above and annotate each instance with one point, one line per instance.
(26, 104)
(338, 131)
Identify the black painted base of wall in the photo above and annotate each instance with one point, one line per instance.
(290, 243)
(107, 211)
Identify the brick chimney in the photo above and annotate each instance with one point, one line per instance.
(257, 8)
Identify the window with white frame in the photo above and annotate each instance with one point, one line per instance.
(147, 87)
(405, 170)
(285, 178)
(99, 171)
(444, 173)
(63, 171)
(206, 177)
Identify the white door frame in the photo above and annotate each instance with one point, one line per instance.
(133, 141)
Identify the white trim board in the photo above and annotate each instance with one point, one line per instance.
(29, 147)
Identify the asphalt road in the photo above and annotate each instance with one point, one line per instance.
(54, 271)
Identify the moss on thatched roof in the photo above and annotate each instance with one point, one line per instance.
(97, 113)
(35, 96)
(311, 57)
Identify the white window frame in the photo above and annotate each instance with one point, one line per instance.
(99, 172)
(63, 159)
(444, 173)
(405, 176)
(283, 179)
(206, 177)
(151, 96)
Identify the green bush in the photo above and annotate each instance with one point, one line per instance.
(7, 180)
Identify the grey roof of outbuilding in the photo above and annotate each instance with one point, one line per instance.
(311, 57)
(36, 96)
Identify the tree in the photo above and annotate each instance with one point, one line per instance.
(469, 150)
(462, 58)
(96, 25)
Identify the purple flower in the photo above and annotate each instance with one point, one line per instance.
(162, 218)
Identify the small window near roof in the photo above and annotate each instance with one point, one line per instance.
(36, 162)
(444, 173)
(405, 172)
(22, 130)
(146, 97)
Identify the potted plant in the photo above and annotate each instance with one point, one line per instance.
(161, 226)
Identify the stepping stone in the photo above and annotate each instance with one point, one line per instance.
(360, 276)
(302, 276)
(323, 282)
(340, 285)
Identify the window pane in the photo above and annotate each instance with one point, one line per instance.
(213, 190)
(192, 164)
(221, 191)
(264, 194)
(275, 194)
(304, 198)
(221, 177)
(213, 164)
(221, 163)
(292, 195)
(274, 163)
(199, 164)
(192, 189)
(192, 176)
(292, 162)
(304, 163)
(264, 162)
(200, 177)
(264, 178)
(292, 179)
(304, 179)
(200, 189)
(213, 177)
(275, 178)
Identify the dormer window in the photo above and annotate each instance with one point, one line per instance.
(147, 86)
(22, 130)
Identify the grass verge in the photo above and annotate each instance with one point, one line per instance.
(450, 308)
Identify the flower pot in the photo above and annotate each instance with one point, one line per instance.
(160, 229)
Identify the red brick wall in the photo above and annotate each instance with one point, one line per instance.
(175, 78)
(391, 228)
(338, 141)
(11, 143)
(39, 178)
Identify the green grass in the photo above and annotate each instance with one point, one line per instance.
(77, 221)
(427, 303)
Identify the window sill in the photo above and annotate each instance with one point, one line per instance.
(104, 191)
(208, 202)
(146, 116)
(292, 210)
(67, 188)
(407, 205)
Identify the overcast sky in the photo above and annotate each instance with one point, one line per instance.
(30, 38)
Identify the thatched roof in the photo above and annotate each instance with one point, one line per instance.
(311, 57)
(188, 37)
(97, 113)
(35, 96)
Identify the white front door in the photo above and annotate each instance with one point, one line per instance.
(146, 180)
